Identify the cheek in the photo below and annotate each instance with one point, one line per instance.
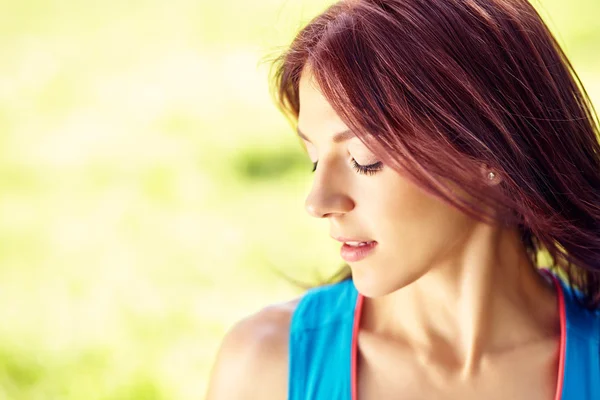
(414, 231)
(408, 217)
(402, 205)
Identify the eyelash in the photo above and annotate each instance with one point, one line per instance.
(361, 169)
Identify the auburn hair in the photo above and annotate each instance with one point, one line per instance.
(437, 88)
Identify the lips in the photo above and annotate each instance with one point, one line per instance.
(357, 253)
(352, 240)
(357, 244)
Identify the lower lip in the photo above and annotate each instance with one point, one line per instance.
(352, 254)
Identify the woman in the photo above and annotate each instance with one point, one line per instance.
(452, 143)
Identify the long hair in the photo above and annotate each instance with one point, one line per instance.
(437, 88)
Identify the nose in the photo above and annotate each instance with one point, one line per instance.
(329, 194)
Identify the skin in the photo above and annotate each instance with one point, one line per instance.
(452, 306)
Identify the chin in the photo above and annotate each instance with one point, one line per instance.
(373, 285)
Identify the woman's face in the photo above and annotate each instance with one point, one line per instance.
(413, 230)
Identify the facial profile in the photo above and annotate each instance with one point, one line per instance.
(412, 228)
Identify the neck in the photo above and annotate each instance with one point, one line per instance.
(488, 299)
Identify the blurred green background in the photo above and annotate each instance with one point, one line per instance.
(150, 191)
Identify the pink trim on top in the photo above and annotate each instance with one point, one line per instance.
(563, 340)
(563, 335)
(353, 356)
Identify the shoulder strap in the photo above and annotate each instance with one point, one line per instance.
(320, 343)
(582, 363)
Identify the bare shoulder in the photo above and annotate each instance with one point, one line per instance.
(252, 362)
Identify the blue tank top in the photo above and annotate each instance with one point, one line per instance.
(324, 330)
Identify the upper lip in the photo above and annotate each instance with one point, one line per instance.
(345, 239)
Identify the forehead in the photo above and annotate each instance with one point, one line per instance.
(316, 113)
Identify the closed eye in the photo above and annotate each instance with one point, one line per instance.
(361, 169)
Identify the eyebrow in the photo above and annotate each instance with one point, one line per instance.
(337, 138)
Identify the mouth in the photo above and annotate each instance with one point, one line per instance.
(358, 244)
(352, 241)
(356, 252)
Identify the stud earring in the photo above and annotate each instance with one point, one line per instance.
(491, 175)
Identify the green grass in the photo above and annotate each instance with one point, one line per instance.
(149, 188)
